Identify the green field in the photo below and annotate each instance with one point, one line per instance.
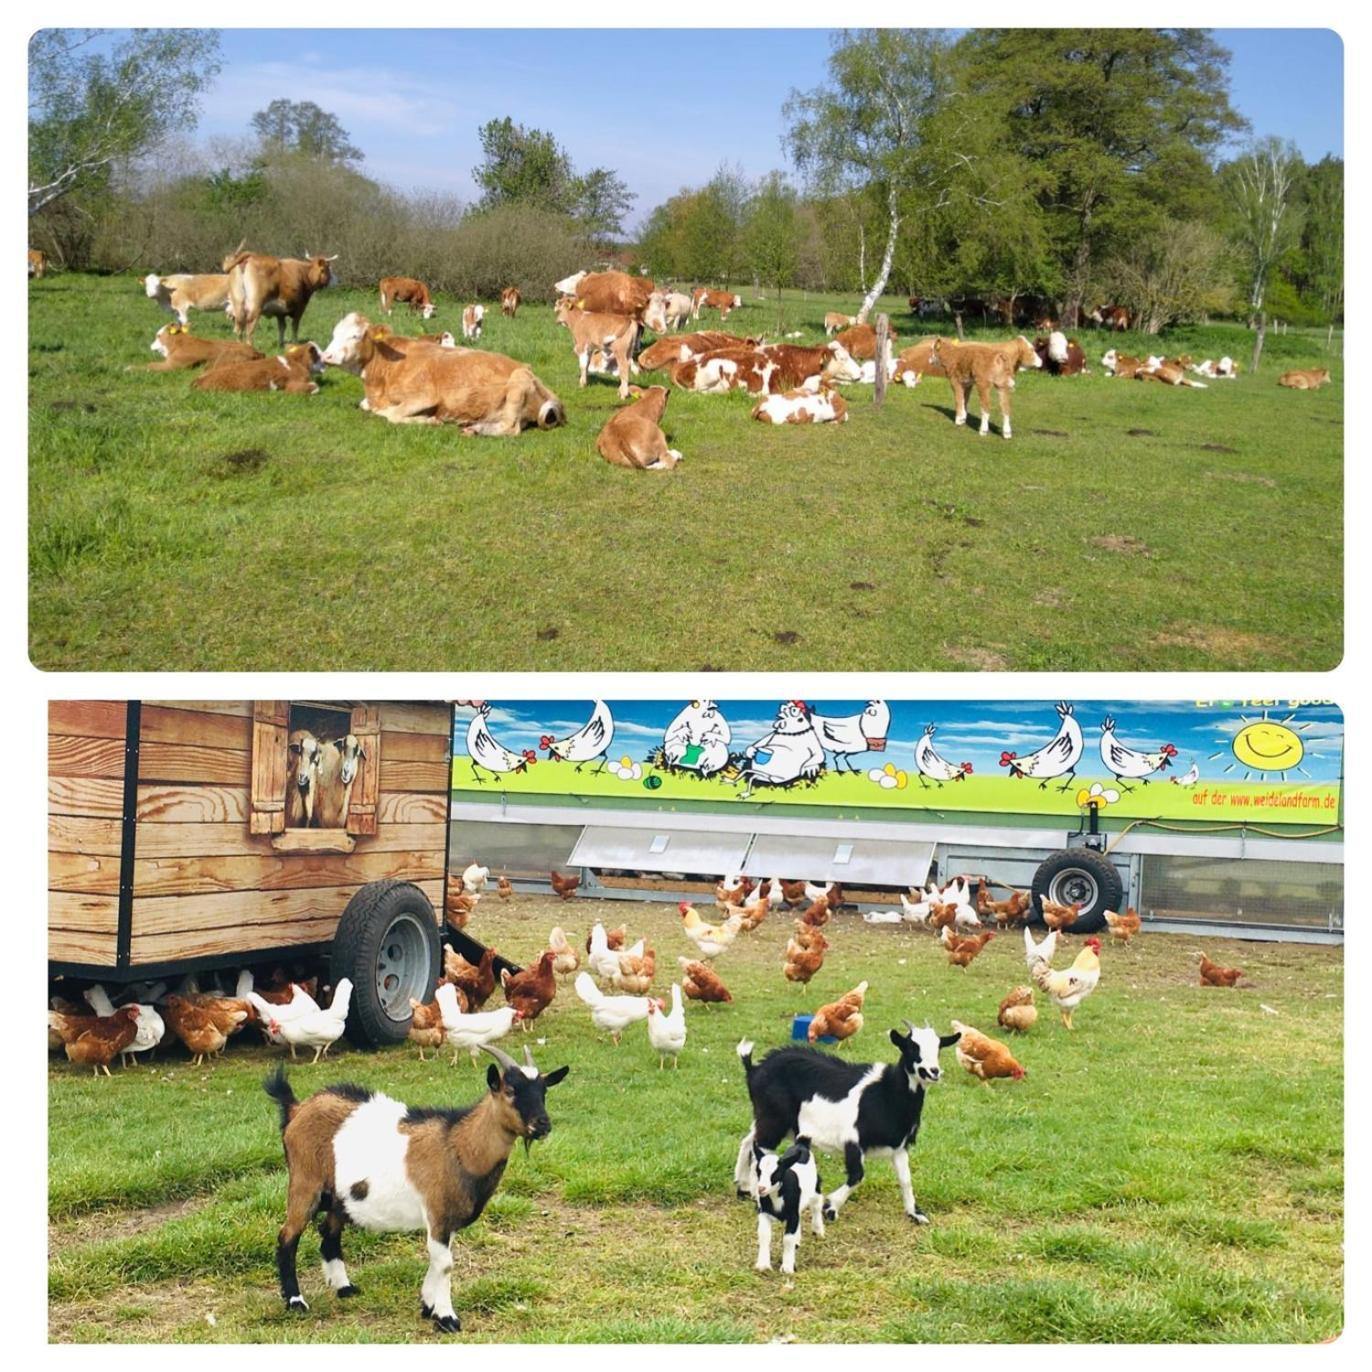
(1261, 802)
(1172, 1170)
(1125, 527)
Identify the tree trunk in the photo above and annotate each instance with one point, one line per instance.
(887, 258)
(957, 323)
(883, 342)
(862, 259)
(1258, 340)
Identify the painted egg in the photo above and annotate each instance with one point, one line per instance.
(890, 769)
(888, 783)
(626, 761)
(652, 781)
(902, 781)
(875, 774)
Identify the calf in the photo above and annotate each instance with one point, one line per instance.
(856, 1108)
(726, 369)
(487, 393)
(988, 366)
(1168, 372)
(667, 351)
(293, 372)
(510, 299)
(406, 290)
(676, 309)
(181, 349)
(38, 262)
(824, 406)
(833, 321)
(1060, 355)
(615, 334)
(787, 1187)
(861, 342)
(1310, 380)
(279, 287)
(471, 321)
(1122, 364)
(183, 292)
(707, 298)
(633, 437)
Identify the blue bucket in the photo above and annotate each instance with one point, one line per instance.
(800, 1030)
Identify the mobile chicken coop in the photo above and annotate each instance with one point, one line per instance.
(170, 849)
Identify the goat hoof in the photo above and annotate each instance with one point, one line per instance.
(426, 1310)
(830, 1213)
(742, 1194)
(919, 1217)
(447, 1324)
(349, 1290)
(297, 1303)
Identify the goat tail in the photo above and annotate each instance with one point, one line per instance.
(279, 1089)
(745, 1054)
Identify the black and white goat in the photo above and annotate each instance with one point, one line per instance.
(859, 1109)
(787, 1187)
(356, 1156)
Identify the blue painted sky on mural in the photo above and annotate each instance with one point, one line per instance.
(969, 731)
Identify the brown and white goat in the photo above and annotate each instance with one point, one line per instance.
(302, 778)
(339, 761)
(356, 1156)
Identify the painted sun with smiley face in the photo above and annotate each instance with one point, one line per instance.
(1267, 745)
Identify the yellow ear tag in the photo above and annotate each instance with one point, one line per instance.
(378, 334)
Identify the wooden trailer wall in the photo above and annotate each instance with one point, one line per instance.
(200, 884)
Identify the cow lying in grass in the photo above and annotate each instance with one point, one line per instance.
(1310, 380)
(633, 437)
(774, 368)
(294, 372)
(666, 352)
(181, 349)
(486, 393)
(825, 406)
(988, 366)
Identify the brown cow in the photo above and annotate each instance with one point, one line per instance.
(917, 361)
(1110, 317)
(181, 349)
(293, 372)
(988, 366)
(486, 393)
(775, 368)
(633, 437)
(1060, 355)
(796, 365)
(1309, 380)
(1168, 372)
(1121, 364)
(667, 351)
(593, 332)
(406, 290)
(280, 287)
(833, 322)
(183, 292)
(510, 300)
(620, 293)
(861, 341)
(38, 262)
(707, 298)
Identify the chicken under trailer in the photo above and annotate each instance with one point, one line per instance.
(666, 856)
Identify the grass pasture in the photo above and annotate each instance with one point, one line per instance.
(1125, 527)
(1170, 1171)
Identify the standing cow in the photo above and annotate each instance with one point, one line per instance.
(279, 287)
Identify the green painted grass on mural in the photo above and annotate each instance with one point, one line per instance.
(1172, 1170)
(1261, 802)
(1125, 527)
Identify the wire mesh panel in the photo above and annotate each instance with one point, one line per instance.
(523, 851)
(1243, 891)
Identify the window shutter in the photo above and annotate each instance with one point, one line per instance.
(366, 724)
(270, 726)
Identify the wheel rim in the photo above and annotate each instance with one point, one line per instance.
(402, 966)
(1072, 886)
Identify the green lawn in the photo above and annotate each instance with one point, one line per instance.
(1125, 527)
(1172, 1170)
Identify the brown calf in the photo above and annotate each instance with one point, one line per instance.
(833, 321)
(406, 290)
(292, 372)
(988, 366)
(1309, 380)
(38, 262)
(614, 334)
(181, 349)
(707, 298)
(510, 300)
(633, 436)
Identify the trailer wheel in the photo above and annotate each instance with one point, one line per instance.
(1079, 874)
(387, 945)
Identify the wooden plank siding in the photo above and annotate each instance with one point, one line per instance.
(203, 883)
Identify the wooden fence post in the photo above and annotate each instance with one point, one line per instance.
(883, 336)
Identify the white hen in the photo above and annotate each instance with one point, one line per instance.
(667, 1033)
(269, 1015)
(474, 878)
(602, 960)
(473, 1030)
(613, 1014)
(317, 1029)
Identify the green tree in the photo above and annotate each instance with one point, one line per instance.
(1123, 122)
(94, 104)
(523, 166)
(866, 127)
(1266, 223)
(771, 235)
(1168, 274)
(601, 200)
(1322, 235)
(302, 127)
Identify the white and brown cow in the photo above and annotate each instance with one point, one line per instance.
(825, 406)
(183, 292)
(1060, 355)
(406, 290)
(620, 293)
(592, 332)
(486, 393)
(180, 349)
(667, 352)
(472, 317)
(707, 298)
(279, 287)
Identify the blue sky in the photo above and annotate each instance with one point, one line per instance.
(968, 731)
(413, 99)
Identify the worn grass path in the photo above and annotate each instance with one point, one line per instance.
(1172, 1170)
(1124, 527)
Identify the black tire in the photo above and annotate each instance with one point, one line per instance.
(387, 945)
(1079, 874)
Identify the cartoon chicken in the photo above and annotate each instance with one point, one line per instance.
(791, 752)
(698, 739)
(934, 767)
(1058, 758)
(846, 735)
(1127, 763)
(489, 756)
(588, 743)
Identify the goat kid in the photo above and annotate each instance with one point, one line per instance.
(787, 1187)
(356, 1156)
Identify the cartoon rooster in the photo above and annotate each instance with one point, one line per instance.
(1058, 758)
(588, 743)
(488, 755)
(934, 767)
(1122, 762)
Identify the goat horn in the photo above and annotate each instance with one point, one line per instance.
(909, 1028)
(529, 1057)
(501, 1056)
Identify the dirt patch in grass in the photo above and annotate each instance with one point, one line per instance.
(1122, 543)
(83, 405)
(978, 659)
(861, 586)
(108, 1226)
(1216, 448)
(547, 633)
(1051, 433)
(786, 637)
(243, 461)
(1141, 433)
(1227, 643)
(1247, 478)
(147, 1314)
(1052, 598)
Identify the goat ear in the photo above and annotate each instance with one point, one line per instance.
(948, 1040)
(493, 1079)
(898, 1038)
(555, 1076)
